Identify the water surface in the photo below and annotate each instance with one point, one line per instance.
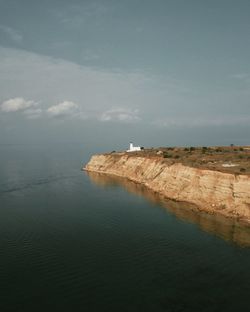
(71, 242)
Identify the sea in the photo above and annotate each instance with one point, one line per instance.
(75, 241)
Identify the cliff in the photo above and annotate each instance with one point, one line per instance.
(230, 229)
(211, 191)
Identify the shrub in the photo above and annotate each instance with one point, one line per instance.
(242, 169)
(177, 156)
(218, 150)
(166, 155)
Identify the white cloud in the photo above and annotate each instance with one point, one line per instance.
(16, 104)
(120, 114)
(65, 108)
(13, 34)
(31, 110)
(54, 80)
(105, 95)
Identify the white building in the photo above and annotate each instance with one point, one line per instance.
(133, 148)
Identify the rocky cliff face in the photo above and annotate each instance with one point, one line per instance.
(212, 191)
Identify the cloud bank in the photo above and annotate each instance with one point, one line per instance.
(70, 91)
(58, 89)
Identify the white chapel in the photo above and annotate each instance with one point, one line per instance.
(133, 148)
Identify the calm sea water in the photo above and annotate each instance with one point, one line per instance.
(70, 241)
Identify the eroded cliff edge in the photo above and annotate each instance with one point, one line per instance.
(212, 191)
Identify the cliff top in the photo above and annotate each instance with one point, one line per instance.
(230, 159)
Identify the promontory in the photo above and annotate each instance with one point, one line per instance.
(214, 179)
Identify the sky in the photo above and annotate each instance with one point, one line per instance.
(103, 73)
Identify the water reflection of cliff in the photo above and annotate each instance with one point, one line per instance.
(225, 228)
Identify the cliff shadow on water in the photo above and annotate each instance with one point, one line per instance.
(228, 229)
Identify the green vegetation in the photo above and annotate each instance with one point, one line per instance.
(167, 155)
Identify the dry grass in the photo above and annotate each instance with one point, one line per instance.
(231, 159)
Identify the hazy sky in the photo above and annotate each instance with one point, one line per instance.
(162, 72)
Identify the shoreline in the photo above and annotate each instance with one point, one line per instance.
(209, 191)
(229, 229)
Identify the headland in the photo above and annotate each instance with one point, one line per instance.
(214, 179)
